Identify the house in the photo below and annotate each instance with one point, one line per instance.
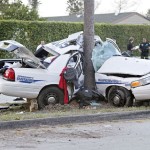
(112, 18)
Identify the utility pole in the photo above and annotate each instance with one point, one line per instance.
(89, 80)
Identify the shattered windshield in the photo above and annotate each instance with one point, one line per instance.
(102, 52)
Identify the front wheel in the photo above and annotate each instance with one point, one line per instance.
(50, 95)
(119, 97)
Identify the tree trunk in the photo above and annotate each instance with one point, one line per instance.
(89, 80)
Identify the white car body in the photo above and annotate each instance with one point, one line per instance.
(29, 82)
(120, 79)
(132, 68)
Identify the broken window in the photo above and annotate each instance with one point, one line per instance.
(104, 51)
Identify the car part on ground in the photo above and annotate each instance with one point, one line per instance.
(86, 97)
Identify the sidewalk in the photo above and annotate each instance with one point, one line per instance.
(101, 117)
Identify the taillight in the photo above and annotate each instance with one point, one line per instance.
(9, 74)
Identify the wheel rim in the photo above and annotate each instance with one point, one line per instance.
(51, 98)
(116, 99)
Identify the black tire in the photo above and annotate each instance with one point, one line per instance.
(119, 97)
(50, 95)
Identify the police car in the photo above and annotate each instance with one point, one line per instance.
(35, 80)
(121, 80)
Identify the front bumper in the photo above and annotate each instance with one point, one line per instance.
(142, 92)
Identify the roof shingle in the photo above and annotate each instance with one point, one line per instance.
(101, 18)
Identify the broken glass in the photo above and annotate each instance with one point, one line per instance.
(104, 51)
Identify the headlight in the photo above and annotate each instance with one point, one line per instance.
(141, 82)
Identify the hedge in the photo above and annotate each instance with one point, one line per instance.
(31, 33)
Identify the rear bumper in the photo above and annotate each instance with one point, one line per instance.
(17, 89)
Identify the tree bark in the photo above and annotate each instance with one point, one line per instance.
(89, 80)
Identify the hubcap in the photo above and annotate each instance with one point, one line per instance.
(51, 98)
(116, 99)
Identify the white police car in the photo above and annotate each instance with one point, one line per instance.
(121, 80)
(35, 80)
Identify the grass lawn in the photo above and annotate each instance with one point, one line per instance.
(20, 113)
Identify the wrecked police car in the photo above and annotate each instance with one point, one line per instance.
(35, 80)
(121, 80)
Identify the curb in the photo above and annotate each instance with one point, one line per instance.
(74, 119)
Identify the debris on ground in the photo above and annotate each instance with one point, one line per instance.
(21, 112)
(4, 107)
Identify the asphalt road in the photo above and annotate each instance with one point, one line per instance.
(119, 135)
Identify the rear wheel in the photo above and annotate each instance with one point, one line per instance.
(119, 97)
(50, 95)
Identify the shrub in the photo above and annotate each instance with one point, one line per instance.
(30, 33)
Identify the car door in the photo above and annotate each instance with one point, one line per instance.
(76, 62)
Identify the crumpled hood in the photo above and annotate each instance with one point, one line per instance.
(63, 46)
(125, 65)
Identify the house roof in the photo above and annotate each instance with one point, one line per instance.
(101, 18)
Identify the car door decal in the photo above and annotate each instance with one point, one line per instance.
(25, 79)
(109, 81)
